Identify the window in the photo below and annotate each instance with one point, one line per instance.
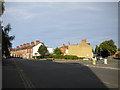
(35, 53)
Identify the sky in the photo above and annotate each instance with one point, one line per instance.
(57, 23)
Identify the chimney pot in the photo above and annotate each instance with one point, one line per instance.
(84, 41)
(37, 42)
(68, 43)
(32, 43)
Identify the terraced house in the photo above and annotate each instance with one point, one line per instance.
(28, 50)
(81, 50)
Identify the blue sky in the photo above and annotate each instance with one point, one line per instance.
(56, 23)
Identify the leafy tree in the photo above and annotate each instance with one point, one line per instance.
(42, 50)
(107, 48)
(96, 50)
(57, 51)
(118, 49)
(6, 40)
(93, 51)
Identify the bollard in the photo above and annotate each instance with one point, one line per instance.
(94, 61)
(105, 61)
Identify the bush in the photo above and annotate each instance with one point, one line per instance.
(73, 57)
(33, 57)
(70, 57)
(37, 57)
(81, 57)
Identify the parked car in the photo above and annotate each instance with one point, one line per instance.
(85, 59)
(99, 58)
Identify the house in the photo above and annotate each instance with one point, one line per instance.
(81, 50)
(27, 50)
(116, 54)
(64, 49)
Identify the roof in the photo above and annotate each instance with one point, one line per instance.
(27, 47)
(64, 46)
(118, 52)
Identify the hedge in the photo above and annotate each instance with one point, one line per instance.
(62, 56)
(59, 57)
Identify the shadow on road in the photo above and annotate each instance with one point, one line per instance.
(48, 74)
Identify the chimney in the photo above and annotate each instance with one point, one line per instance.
(37, 42)
(63, 45)
(17, 47)
(24, 45)
(84, 41)
(27, 44)
(68, 43)
(32, 43)
(20, 46)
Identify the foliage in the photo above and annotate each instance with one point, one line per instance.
(70, 57)
(96, 49)
(62, 56)
(6, 40)
(118, 49)
(107, 48)
(37, 57)
(93, 51)
(57, 51)
(42, 50)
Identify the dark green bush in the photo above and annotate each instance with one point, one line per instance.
(70, 57)
(37, 57)
(58, 56)
(33, 57)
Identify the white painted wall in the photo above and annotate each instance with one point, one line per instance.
(66, 52)
(35, 49)
(50, 50)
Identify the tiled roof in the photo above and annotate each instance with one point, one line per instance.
(24, 48)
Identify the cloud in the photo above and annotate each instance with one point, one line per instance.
(18, 13)
(58, 23)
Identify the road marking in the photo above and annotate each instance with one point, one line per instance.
(26, 81)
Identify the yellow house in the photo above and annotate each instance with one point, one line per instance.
(81, 50)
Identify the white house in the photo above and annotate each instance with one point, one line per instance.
(35, 49)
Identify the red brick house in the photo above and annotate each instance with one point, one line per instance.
(117, 53)
(24, 51)
(64, 48)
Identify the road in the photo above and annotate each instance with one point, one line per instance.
(48, 74)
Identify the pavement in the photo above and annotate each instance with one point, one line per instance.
(112, 63)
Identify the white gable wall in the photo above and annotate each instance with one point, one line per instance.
(35, 49)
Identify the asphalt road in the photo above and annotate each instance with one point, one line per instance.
(48, 74)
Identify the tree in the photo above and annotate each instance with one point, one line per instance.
(96, 50)
(42, 50)
(107, 48)
(118, 49)
(6, 40)
(93, 51)
(57, 51)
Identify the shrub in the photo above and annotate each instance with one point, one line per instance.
(33, 57)
(70, 57)
(58, 56)
(37, 57)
